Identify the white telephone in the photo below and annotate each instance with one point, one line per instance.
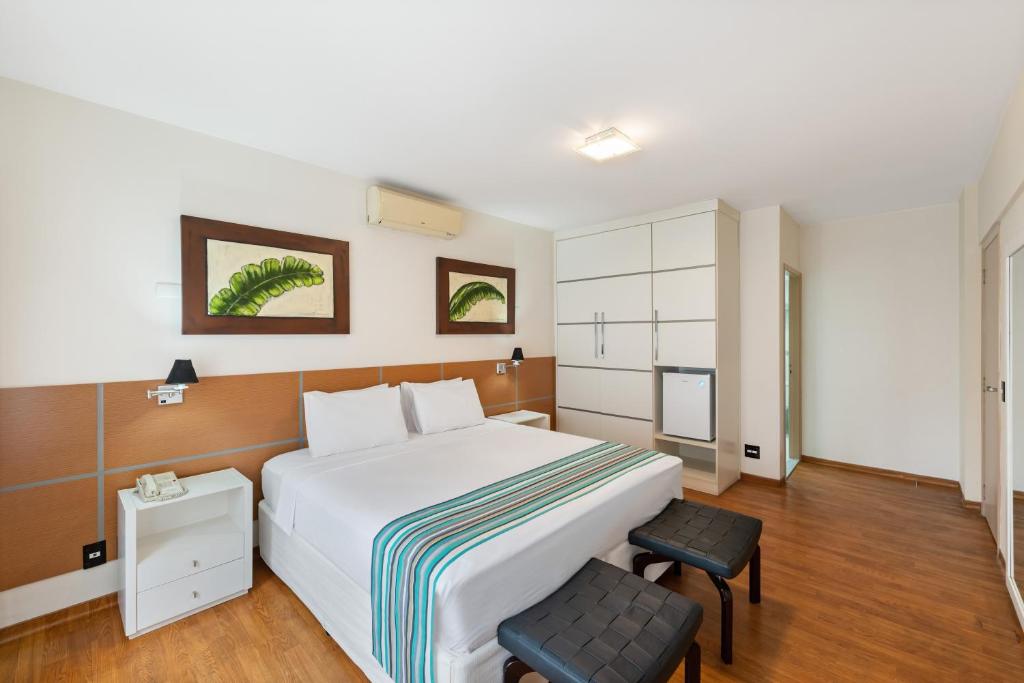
(163, 486)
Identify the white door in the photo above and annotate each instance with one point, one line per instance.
(617, 392)
(685, 294)
(688, 344)
(990, 385)
(616, 252)
(625, 298)
(684, 242)
(625, 345)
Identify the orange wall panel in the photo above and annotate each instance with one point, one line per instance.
(218, 413)
(536, 378)
(340, 380)
(493, 388)
(47, 432)
(427, 372)
(44, 530)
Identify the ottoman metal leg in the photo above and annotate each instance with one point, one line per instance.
(725, 593)
(644, 560)
(755, 576)
(515, 669)
(691, 667)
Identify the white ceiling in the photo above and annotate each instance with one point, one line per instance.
(832, 108)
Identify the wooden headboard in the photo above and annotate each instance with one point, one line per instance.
(66, 450)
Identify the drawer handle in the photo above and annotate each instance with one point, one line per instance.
(195, 563)
(195, 595)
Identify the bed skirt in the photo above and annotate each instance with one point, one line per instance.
(343, 607)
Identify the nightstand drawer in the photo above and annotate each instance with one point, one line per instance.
(181, 596)
(187, 550)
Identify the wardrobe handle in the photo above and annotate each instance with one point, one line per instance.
(602, 334)
(595, 334)
(657, 340)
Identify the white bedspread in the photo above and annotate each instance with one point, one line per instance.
(338, 504)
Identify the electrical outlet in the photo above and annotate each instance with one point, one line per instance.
(94, 554)
(752, 451)
(502, 368)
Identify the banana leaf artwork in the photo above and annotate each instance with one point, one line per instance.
(248, 280)
(475, 298)
(240, 279)
(465, 299)
(250, 288)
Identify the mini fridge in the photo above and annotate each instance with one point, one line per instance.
(688, 404)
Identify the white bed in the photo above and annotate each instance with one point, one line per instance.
(319, 517)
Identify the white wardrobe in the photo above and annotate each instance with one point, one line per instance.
(640, 297)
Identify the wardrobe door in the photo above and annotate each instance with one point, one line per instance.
(616, 252)
(617, 392)
(579, 388)
(580, 423)
(688, 345)
(579, 345)
(684, 242)
(685, 294)
(637, 433)
(625, 298)
(626, 392)
(623, 345)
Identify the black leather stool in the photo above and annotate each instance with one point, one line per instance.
(720, 542)
(604, 625)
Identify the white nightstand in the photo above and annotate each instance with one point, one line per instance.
(183, 555)
(526, 417)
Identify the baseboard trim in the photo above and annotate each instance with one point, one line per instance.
(761, 481)
(882, 472)
(32, 600)
(969, 504)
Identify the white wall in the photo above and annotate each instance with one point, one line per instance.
(970, 345)
(90, 200)
(881, 319)
(760, 399)
(1003, 175)
(789, 242)
(769, 239)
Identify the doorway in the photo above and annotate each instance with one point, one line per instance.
(990, 385)
(791, 364)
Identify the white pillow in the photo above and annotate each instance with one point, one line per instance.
(451, 405)
(410, 414)
(352, 420)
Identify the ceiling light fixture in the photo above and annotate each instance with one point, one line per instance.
(608, 144)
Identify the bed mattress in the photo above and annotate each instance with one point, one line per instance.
(339, 503)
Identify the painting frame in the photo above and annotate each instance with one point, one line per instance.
(195, 297)
(445, 266)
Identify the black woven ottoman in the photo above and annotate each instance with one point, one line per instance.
(604, 625)
(718, 541)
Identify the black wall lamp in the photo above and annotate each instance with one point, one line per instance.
(182, 374)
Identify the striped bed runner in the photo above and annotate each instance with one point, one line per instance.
(411, 553)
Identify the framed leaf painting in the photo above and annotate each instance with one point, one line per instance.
(237, 279)
(475, 298)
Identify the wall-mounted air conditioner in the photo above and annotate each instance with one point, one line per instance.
(393, 209)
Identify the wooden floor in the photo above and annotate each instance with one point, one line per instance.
(864, 579)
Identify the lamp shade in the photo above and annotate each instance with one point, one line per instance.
(517, 354)
(182, 372)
